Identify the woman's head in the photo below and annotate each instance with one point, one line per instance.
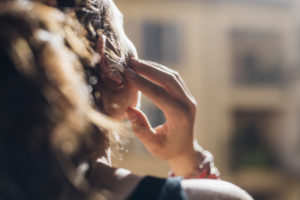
(47, 111)
(103, 23)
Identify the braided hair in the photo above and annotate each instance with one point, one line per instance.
(46, 120)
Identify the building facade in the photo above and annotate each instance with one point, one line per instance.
(241, 60)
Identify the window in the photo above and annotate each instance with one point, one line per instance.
(155, 115)
(161, 42)
(250, 146)
(257, 57)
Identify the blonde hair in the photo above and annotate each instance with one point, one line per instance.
(46, 55)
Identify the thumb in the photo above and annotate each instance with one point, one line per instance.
(140, 125)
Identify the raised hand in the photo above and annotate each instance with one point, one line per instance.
(172, 141)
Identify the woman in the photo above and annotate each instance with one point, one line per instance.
(55, 74)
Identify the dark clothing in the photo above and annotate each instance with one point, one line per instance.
(151, 188)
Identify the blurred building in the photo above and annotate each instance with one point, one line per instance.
(241, 60)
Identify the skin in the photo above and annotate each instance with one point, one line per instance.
(122, 182)
(168, 91)
(116, 100)
(172, 141)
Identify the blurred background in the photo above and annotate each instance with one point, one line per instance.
(241, 60)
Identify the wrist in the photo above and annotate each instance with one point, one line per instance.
(199, 165)
(185, 164)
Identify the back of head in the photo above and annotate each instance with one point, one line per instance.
(44, 128)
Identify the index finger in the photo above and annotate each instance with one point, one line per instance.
(165, 77)
(166, 102)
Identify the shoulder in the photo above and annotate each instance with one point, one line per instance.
(206, 189)
(151, 188)
(123, 183)
(191, 189)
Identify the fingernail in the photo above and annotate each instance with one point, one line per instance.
(115, 77)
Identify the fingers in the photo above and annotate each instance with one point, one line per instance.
(163, 76)
(140, 125)
(157, 94)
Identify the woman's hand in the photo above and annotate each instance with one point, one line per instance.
(116, 94)
(172, 141)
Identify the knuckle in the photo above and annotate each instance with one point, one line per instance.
(186, 120)
(172, 77)
(187, 110)
(193, 105)
(184, 108)
(176, 74)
